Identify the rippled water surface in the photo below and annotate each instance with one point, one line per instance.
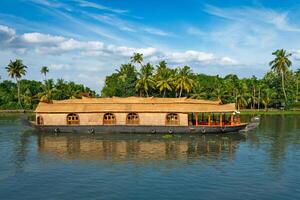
(262, 164)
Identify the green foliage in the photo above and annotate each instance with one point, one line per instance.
(122, 83)
(34, 91)
(167, 136)
(164, 81)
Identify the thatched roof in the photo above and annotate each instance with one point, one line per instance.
(133, 104)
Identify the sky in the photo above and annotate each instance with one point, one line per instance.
(86, 40)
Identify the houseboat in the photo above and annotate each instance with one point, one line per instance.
(137, 115)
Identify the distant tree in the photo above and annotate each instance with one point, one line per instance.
(137, 58)
(184, 80)
(48, 92)
(297, 76)
(44, 70)
(16, 69)
(267, 96)
(219, 91)
(145, 80)
(164, 81)
(280, 65)
(198, 92)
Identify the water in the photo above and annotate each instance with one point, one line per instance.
(261, 164)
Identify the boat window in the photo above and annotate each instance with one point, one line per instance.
(40, 120)
(109, 118)
(72, 118)
(172, 119)
(132, 118)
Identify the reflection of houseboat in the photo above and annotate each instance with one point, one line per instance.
(137, 115)
(137, 147)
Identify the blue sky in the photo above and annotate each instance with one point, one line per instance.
(85, 40)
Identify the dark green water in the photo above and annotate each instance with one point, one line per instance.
(262, 164)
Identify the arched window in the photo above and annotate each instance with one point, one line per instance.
(109, 118)
(172, 119)
(72, 118)
(39, 120)
(132, 118)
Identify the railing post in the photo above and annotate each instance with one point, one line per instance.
(231, 119)
(220, 119)
(209, 119)
(196, 119)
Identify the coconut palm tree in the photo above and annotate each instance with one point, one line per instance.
(198, 92)
(16, 69)
(184, 81)
(267, 96)
(241, 95)
(297, 75)
(164, 81)
(219, 93)
(44, 70)
(145, 80)
(137, 58)
(48, 91)
(280, 65)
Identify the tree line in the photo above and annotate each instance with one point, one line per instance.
(25, 94)
(279, 87)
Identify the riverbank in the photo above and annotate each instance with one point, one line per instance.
(16, 111)
(270, 112)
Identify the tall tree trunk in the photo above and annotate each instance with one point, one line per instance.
(266, 107)
(18, 87)
(283, 87)
(258, 99)
(164, 93)
(147, 93)
(297, 88)
(180, 92)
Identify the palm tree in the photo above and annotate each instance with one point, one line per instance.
(27, 98)
(164, 81)
(219, 93)
(16, 69)
(145, 80)
(48, 91)
(280, 64)
(44, 70)
(184, 80)
(297, 74)
(198, 92)
(267, 96)
(241, 95)
(137, 58)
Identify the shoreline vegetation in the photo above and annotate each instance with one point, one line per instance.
(277, 92)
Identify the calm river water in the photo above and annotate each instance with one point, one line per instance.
(261, 164)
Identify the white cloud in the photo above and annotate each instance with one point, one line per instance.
(41, 38)
(228, 61)
(155, 31)
(68, 57)
(296, 54)
(89, 4)
(258, 15)
(58, 67)
(6, 34)
(190, 56)
(126, 25)
(47, 44)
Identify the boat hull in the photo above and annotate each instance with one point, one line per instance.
(139, 129)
